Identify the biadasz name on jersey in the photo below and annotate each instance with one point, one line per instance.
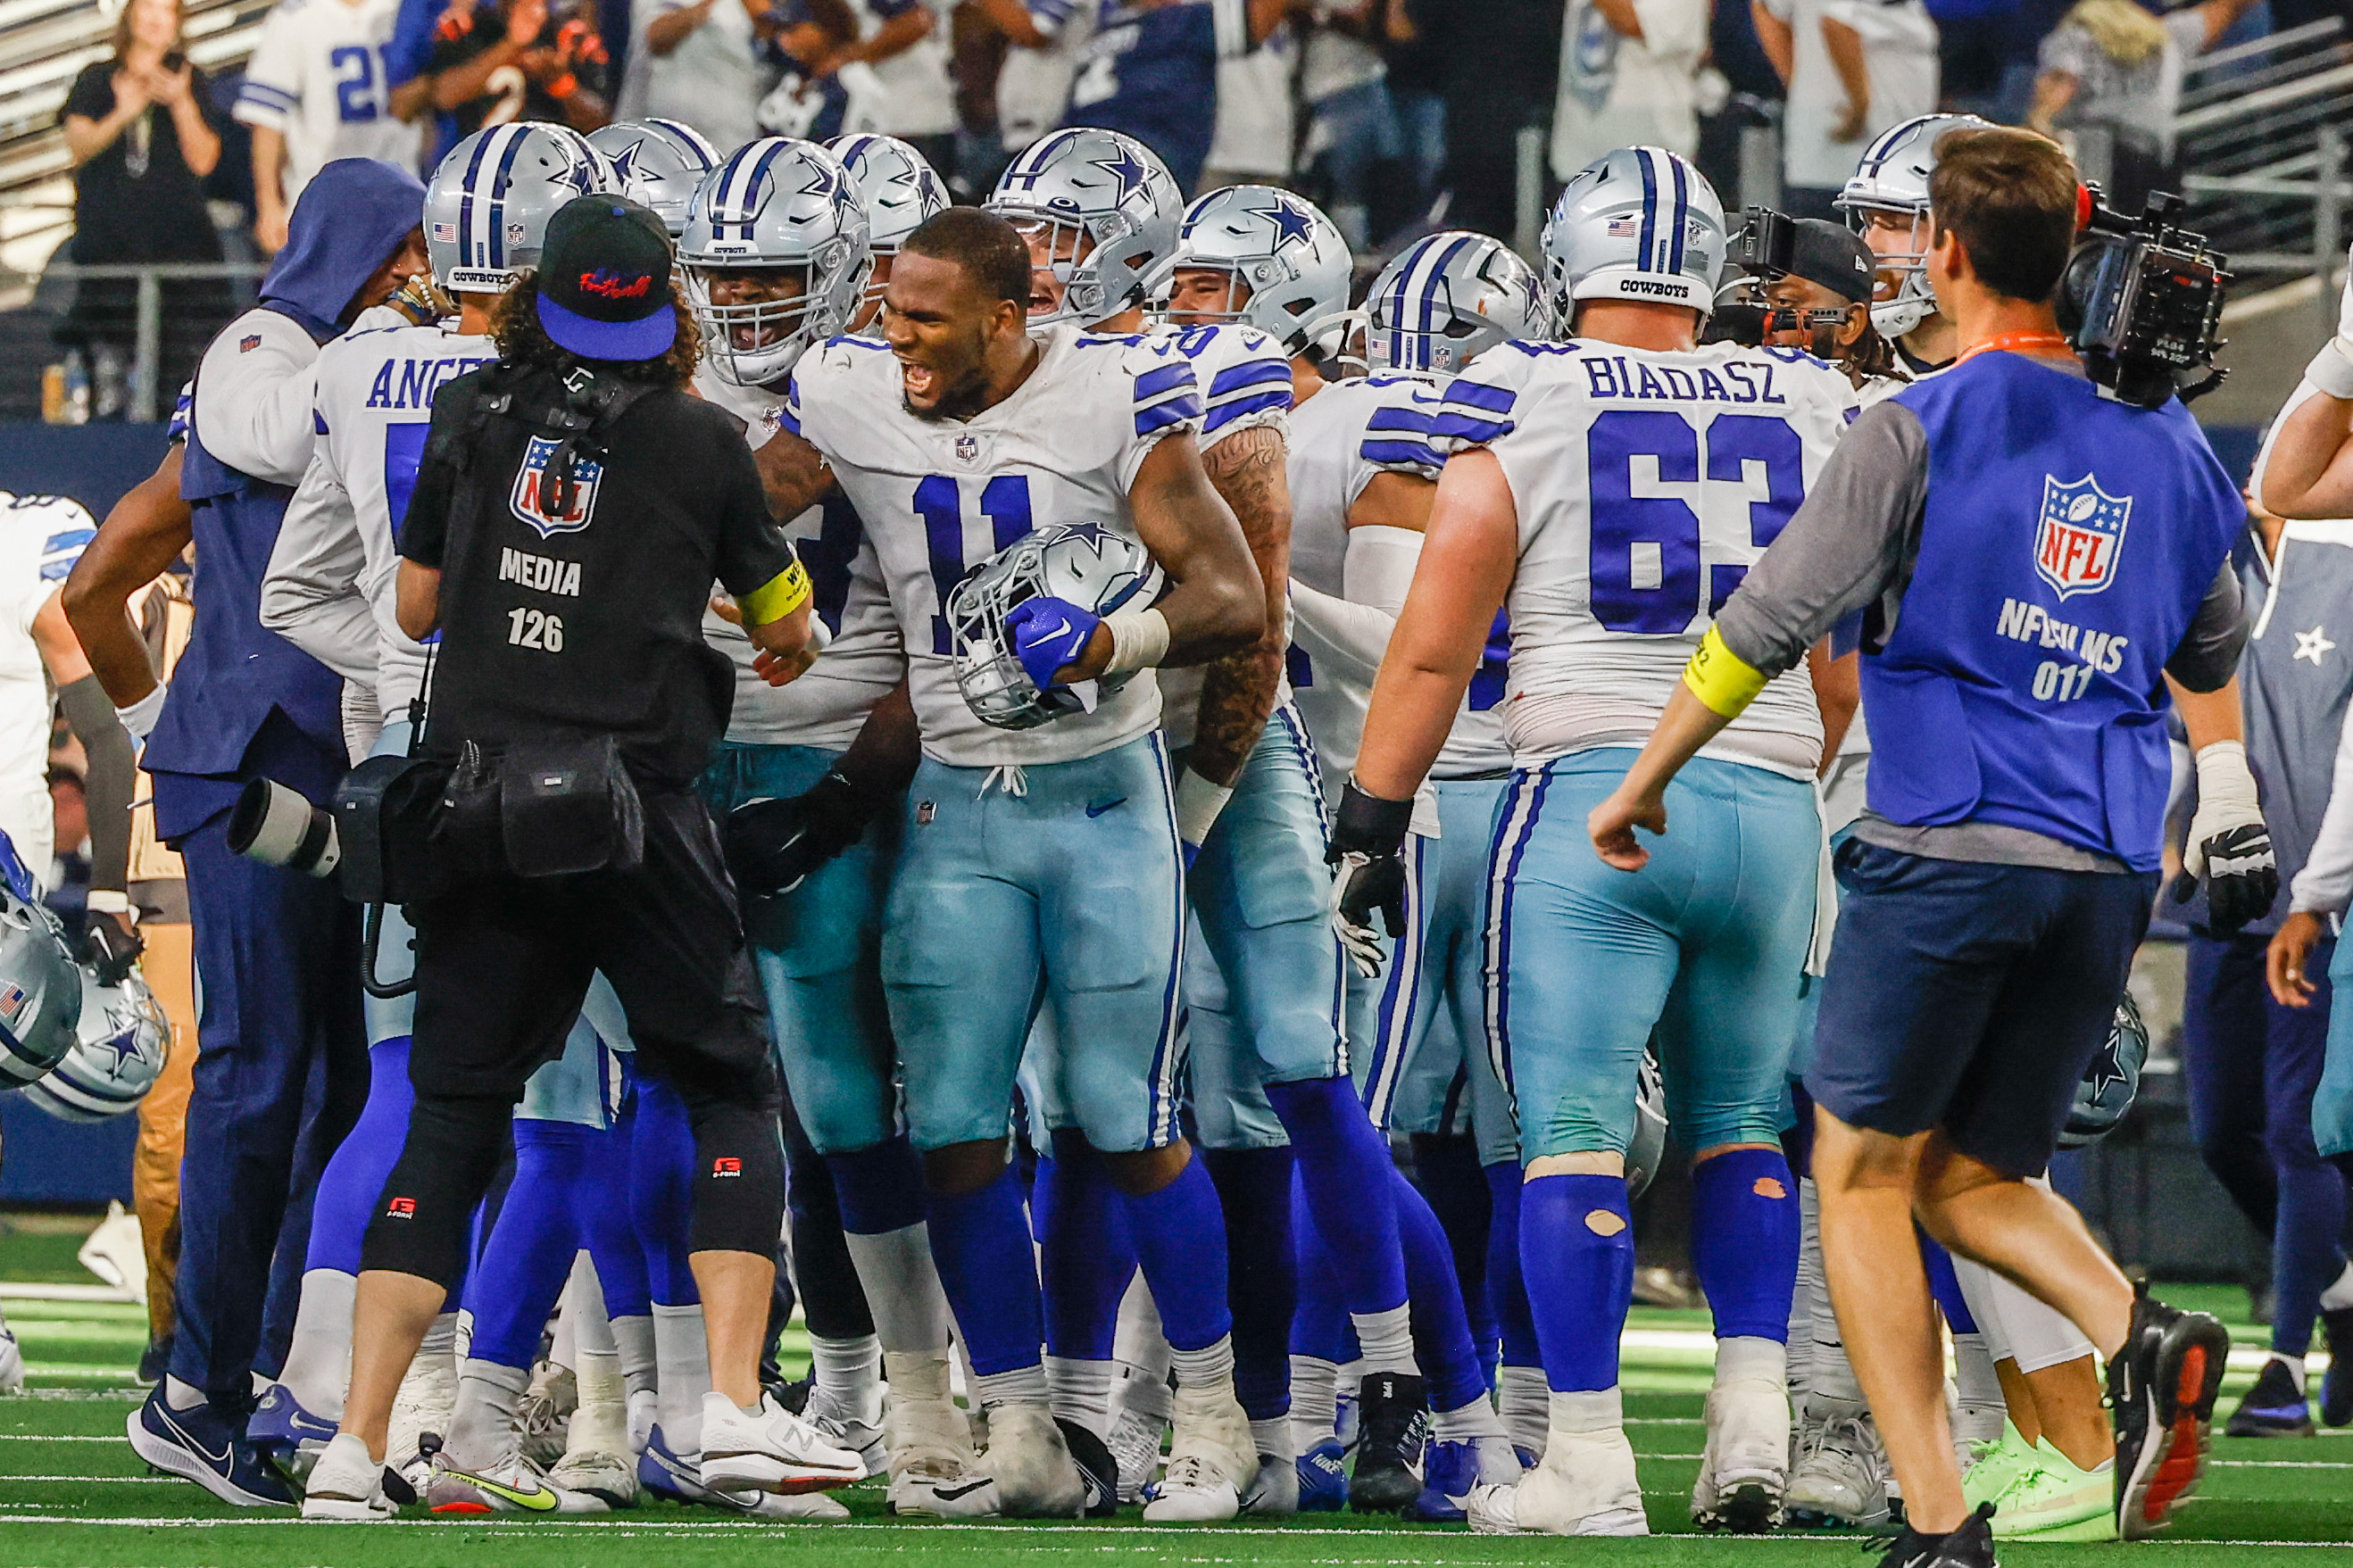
(531, 503)
(2078, 535)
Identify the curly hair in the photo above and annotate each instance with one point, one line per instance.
(1870, 356)
(515, 328)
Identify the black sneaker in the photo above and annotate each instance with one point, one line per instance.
(1970, 1546)
(2337, 1382)
(2161, 1389)
(2273, 1407)
(1098, 1471)
(1395, 1424)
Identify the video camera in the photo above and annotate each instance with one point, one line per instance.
(2142, 302)
(1762, 251)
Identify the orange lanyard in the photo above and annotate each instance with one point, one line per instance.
(2017, 344)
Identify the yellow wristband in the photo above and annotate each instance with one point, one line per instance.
(1721, 677)
(777, 597)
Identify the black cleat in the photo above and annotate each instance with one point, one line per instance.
(2161, 1389)
(1098, 1471)
(2273, 1407)
(1970, 1546)
(1396, 1425)
(2337, 1382)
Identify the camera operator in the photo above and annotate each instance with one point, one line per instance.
(2016, 633)
(572, 510)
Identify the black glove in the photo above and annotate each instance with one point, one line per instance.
(1367, 845)
(108, 950)
(2242, 877)
(772, 846)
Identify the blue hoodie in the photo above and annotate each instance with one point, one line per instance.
(349, 219)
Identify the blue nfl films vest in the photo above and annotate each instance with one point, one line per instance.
(2066, 544)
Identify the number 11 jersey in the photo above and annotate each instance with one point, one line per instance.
(1647, 483)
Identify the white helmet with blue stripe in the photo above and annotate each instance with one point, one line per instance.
(1083, 564)
(40, 985)
(1107, 209)
(487, 204)
(117, 1055)
(1893, 178)
(899, 190)
(657, 163)
(776, 203)
(1279, 250)
(1638, 223)
(1449, 297)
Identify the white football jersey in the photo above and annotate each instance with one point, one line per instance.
(41, 537)
(318, 78)
(826, 704)
(1647, 484)
(1245, 382)
(940, 496)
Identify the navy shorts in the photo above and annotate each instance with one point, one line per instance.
(1970, 996)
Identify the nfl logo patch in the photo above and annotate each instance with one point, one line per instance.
(968, 449)
(533, 505)
(2078, 535)
(247, 344)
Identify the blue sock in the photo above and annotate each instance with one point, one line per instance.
(1179, 1238)
(1945, 1285)
(880, 1188)
(980, 1243)
(661, 1189)
(1509, 1291)
(1745, 1224)
(529, 1254)
(1320, 1327)
(1345, 1166)
(354, 1176)
(1085, 1257)
(1442, 1346)
(1446, 1170)
(600, 1217)
(1576, 1253)
(1262, 1272)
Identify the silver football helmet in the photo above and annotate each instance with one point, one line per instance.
(1892, 179)
(1278, 249)
(1106, 207)
(40, 990)
(1639, 223)
(1084, 563)
(1648, 1150)
(657, 163)
(117, 1055)
(487, 206)
(2110, 1084)
(899, 190)
(774, 204)
(1449, 297)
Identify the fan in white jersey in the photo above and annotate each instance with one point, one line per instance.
(317, 89)
(1611, 491)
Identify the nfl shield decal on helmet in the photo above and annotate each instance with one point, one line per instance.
(2078, 535)
(534, 498)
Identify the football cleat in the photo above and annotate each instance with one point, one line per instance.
(201, 1446)
(514, 1485)
(1037, 1477)
(288, 1436)
(932, 1471)
(1840, 1481)
(610, 1478)
(1273, 1492)
(1586, 1486)
(1745, 1468)
(346, 1484)
(770, 1450)
(1134, 1444)
(544, 1413)
(1452, 1469)
(1324, 1478)
(2161, 1390)
(1970, 1546)
(678, 1478)
(860, 1436)
(1396, 1425)
(1211, 1459)
(422, 1409)
(2274, 1407)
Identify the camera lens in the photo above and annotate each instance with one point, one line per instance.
(278, 827)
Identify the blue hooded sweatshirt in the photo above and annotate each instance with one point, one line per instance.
(350, 217)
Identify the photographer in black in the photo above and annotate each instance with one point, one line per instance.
(573, 509)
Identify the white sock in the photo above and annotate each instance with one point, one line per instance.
(848, 1372)
(1271, 1438)
(1022, 1385)
(1386, 1341)
(563, 1346)
(1973, 1373)
(1801, 1300)
(902, 1287)
(483, 1428)
(1467, 1422)
(1746, 1358)
(1315, 1400)
(601, 1424)
(914, 1375)
(1828, 1374)
(2339, 1294)
(180, 1395)
(1082, 1391)
(318, 1360)
(1204, 1368)
(1528, 1407)
(682, 1361)
(634, 1337)
(1584, 1413)
(460, 1341)
(2294, 1364)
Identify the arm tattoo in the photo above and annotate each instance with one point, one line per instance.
(794, 474)
(1248, 468)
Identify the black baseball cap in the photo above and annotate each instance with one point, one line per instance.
(604, 280)
(1834, 256)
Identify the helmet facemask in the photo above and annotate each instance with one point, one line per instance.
(1910, 303)
(758, 342)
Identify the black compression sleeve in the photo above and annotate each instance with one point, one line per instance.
(114, 775)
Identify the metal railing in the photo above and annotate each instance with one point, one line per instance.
(147, 394)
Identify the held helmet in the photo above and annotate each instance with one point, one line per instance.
(40, 990)
(1279, 248)
(117, 1055)
(487, 206)
(657, 163)
(1648, 1151)
(1107, 207)
(2111, 1084)
(1640, 223)
(1449, 297)
(1893, 178)
(1084, 563)
(775, 203)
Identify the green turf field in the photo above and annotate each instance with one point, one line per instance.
(72, 1495)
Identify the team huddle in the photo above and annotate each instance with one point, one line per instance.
(1117, 886)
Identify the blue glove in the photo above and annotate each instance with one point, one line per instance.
(1049, 633)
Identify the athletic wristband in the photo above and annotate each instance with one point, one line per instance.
(2331, 370)
(1368, 825)
(1197, 803)
(107, 901)
(141, 716)
(1721, 678)
(1139, 639)
(777, 597)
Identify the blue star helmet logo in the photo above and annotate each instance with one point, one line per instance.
(1124, 167)
(1291, 222)
(580, 174)
(1094, 534)
(124, 1044)
(625, 161)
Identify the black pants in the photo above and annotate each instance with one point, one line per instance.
(501, 965)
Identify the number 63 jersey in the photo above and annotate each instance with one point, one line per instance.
(1647, 483)
(941, 496)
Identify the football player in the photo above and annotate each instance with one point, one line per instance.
(1886, 200)
(1550, 506)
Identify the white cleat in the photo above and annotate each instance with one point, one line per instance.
(1211, 1458)
(426, 1402)
(861, 1435)
(1273, 1492)
(1036, 1476)
(1586, 1486)
(544, 1413)
(1135, 1446)
(933, 1469)
(608, 1478)
(1841, 1479)
(769, 1450)
(346, 1484)
(1745, 1468)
